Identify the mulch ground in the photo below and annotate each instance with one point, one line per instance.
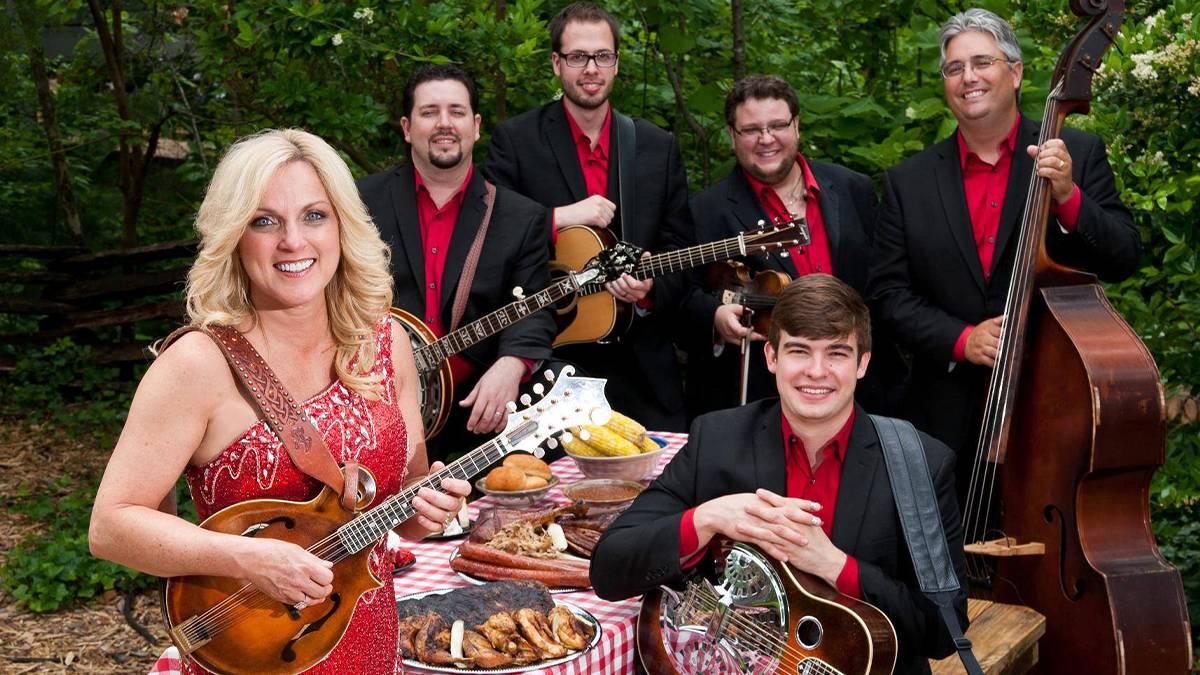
(91, 638)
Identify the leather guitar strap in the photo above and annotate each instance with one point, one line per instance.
(472, 261)
(626, 177)
(301, 439)
(921, 520)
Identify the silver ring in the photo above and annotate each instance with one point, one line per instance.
(1061, 165)
(301, 605)
(496, 414)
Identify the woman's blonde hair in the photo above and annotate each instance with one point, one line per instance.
(358, 296)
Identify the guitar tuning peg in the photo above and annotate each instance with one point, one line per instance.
(549, 375)
(567, 437)
(539, 389)
(761, 222)
(551, 443)
(525, 399)
(784, 254)
(518, 292)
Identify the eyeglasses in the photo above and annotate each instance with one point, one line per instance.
(772, 129)
(580, 59)
(979, 63)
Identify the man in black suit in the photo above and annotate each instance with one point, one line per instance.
(566, 156)
(774, 182)
(801, 476)
(429, 213)
(947, 233)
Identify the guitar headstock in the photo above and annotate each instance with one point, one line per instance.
(571, 401)
(779, 235)
(612, 262)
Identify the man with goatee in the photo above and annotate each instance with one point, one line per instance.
(429, 213)
(566, 155)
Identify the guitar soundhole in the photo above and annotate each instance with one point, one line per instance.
(809, 632)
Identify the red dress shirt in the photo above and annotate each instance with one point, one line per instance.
(437, 226)
(592, 161)
(820, 486)
(985, 186)
(816, 257)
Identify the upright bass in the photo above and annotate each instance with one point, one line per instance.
(1057, 514)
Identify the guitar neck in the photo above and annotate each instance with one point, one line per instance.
(368, 528)
(430, 357)
(679, 260)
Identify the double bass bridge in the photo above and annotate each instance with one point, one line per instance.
(1004, 547)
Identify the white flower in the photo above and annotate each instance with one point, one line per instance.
(1150, 21)
(1194, 87)
(1186, 18)
(1143, 70)
(910, 112)
(365, 14)
(337, 39)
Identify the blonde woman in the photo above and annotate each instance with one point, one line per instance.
(289, 257)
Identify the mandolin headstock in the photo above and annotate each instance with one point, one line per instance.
(570, 402)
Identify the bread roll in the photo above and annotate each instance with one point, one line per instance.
(529, 465)
(533, 482)
(505, 479)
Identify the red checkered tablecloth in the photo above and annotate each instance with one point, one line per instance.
(615, 654)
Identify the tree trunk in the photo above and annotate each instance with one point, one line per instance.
(739, 40)
(29, 26)
(129, 145)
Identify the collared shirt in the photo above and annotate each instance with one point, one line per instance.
(437, 227)
(985, 186)
(592, 160)
(816, 256)
(803, 482)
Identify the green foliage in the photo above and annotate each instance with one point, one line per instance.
(62, 386)
(53, 569)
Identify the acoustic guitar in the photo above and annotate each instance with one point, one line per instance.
(596, 316)
(758, 615)
(231, 627)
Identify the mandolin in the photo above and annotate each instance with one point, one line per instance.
(596, 316)
(231, 627)
(761, 616)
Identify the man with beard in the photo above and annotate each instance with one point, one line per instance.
(429, 213)
(945, 240)
(774, 182)
(565, 155)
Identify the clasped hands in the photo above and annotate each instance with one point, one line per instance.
(786, 529)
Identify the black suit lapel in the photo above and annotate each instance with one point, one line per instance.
(749, 212)
(470, 217)
(859, 469)
(770, 455)
(1017, 190)
(948, 176)
(558, 135)
(830, 204)
(404, 203)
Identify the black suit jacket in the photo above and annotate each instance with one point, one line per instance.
(514, 254)
(741, 449)
(728, 208)
(927, 284)
(534, 154)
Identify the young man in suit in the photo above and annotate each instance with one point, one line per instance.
(774, 182)
(429, 213)
(947, 232)
(801, 476)
(567, 157)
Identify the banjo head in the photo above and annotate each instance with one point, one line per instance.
(435, 380)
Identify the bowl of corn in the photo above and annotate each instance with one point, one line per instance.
(620, 449)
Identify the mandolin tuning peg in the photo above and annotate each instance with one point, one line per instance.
(567, 436)
(539, 389)
(600, 416)
(539, 453)
(585, 435)
(549, 375)
(551, 443)
(511, 407)
(525, 399)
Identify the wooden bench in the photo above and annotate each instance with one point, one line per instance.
(1004, 639)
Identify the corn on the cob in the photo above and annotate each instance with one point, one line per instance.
(576, 446)
(630, 429)
(610, 442)
(648, 444)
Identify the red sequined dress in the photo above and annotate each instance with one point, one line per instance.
(257, 466)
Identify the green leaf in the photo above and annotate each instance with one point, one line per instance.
(675, 42)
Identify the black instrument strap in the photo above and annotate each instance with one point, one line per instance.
(626, 177)
(921, 520)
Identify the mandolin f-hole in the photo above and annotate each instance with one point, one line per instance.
(288, 653)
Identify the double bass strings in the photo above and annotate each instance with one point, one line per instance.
(1004, 375)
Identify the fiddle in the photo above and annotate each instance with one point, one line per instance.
(734, 285)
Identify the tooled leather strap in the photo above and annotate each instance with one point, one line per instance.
(301, 439)
(472, 261)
